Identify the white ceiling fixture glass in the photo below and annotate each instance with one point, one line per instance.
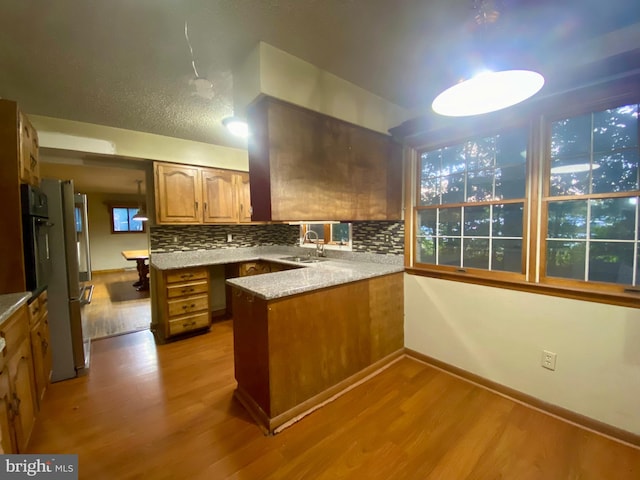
(141, 214)
(236, 126)
(490, 89)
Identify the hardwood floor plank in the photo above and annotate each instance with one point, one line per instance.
(168, 412)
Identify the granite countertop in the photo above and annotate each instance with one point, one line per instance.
(311, 276)
(10, 302)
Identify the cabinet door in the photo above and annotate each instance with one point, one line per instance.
(178, 194)
(41, 356)
(219, 199)
(21, 373)
(243, 196)
(7, 441)
(25, 149)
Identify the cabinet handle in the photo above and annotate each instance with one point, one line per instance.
(189, 324)
(45, 345)
(184, 307)
(237, 293)
(186, 290)
(196, 207)
(186, 275)
(205, 207)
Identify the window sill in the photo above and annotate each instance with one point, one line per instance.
(631, 300)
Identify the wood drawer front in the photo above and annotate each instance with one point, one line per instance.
(15, 329)
(34, 311)
(192, 288)
(188, 305)
(188, 323)
(186, 275)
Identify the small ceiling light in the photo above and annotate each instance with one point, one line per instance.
(492, 89)
(141, 214)
(236, 126)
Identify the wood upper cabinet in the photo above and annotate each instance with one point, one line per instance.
(188, 195)
(308, 166)
(178, 192)
(29, 148)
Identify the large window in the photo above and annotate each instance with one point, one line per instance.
(591, 198)
(471, 203)
(559, 213)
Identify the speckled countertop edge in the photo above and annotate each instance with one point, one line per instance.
(330, 272)
(10, 302)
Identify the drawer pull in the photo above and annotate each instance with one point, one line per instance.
(189, 324)
(16, 403)
(186, 275)
(187, 290)
(193, 305)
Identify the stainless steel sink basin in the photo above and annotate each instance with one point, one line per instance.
(304, 259)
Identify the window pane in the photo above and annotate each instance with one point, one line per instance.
(567, 219)
(429, 191)
(134, 225)
(615, 172)
(507, 255)
(510, 182)
(120, 219)
(571, 136)
(426, 250)
(452, 189)
(569, 176)
(613, 219)
(507, 220)
(427, 223)
(611, 262)
(453, 160)
(565, 259)
(430, 164)
(476, 253)
(318, 228)
(449, 251)
(476, 221)
(480, 186)
(511, 147)
(449, 224)
(340, 233)
(615, 129)
(480, 153)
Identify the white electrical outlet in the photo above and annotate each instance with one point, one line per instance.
(229, 237)
(549, 359)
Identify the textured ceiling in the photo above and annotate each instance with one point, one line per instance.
(127, 64)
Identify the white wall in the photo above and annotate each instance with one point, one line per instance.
(106, 246)
(87, 137)
(500, 334)
(283, 76)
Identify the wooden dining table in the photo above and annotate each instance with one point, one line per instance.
(140, 257)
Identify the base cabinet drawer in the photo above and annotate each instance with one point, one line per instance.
(187, 275)
(188, 305)
(188, 323)
(191, 288)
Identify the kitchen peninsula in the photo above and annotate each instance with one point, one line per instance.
(304, 335)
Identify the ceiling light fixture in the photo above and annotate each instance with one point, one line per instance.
(236, 126)
(141, 214)
(488, 90)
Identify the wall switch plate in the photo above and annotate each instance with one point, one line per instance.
(549, 360)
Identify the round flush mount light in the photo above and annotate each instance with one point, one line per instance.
(236, 126)
(488, 92)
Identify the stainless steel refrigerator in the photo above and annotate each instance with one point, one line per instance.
(63, 285)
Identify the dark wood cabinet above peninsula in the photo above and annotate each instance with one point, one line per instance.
(304, 165)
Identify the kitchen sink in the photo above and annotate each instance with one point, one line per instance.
(304, 259)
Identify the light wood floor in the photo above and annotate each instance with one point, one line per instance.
(116, 307)
(168, 412)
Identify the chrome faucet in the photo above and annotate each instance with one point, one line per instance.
(319, 246)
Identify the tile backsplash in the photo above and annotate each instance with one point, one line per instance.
(368, 237)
